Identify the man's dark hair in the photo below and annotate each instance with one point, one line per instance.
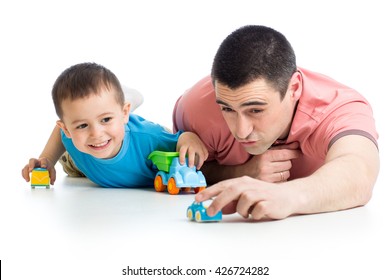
(252, 52)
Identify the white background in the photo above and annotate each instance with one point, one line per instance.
(161, 48)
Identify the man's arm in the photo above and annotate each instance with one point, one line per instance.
(346, 180)
(266, 167)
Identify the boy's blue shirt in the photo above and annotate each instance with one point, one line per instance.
(131, 166)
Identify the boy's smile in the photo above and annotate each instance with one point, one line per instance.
(95, 123)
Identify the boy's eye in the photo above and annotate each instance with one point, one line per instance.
(81, 126)
(256, 111)
(105, 120)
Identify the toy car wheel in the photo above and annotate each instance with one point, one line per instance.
(158, 184)
(198, 216)
(172, 188)
(190, 215)
(199, 189)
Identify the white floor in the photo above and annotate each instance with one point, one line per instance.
(77, 230)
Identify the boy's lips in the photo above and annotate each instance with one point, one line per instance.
(99, 145)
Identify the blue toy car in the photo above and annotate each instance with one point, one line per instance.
(197, 211)
(175, 176)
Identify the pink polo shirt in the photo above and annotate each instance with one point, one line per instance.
(326, 111)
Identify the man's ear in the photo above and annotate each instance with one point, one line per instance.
(295, 86)
(126, 112)
(61, 125)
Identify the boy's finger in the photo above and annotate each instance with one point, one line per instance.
(32, 164)
(44, 163)
(182, 155)
(26, 173)
(52, 176)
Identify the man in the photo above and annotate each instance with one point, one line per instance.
(294, 141)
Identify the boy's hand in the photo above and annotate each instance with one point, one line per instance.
(190, 145)
(41, 162)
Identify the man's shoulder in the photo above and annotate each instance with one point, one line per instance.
(203, 89)
(198, 100)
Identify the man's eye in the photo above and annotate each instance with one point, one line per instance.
(81, 126)
(256, 111)
(226, 109)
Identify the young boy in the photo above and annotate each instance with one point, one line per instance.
(107, 144)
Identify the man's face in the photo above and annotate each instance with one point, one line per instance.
(255, 114)
(95, 123)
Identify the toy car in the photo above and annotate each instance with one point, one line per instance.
(175, 176)
(197, 211)
(40, 178)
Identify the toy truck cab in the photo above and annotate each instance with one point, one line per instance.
(173, 175)
(40, 178)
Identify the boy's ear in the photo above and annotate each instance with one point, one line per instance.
(126, 112)
(61, 125)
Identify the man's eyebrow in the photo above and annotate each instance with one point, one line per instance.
(222, 103)
(249, 103)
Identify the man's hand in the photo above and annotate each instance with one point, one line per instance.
(249, 197)
(274, 165)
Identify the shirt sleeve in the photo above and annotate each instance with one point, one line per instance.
(354, 117)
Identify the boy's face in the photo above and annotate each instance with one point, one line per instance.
(95, 123)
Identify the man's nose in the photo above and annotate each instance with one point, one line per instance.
(243, 127)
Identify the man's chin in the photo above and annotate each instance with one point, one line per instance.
(255, 150)
(252, 151)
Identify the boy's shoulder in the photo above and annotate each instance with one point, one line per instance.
(137, 123)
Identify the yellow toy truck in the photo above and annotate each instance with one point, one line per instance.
(40, 178)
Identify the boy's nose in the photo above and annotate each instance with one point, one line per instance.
(95, 131)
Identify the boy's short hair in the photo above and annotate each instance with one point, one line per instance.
(82, 80)
(252, 52)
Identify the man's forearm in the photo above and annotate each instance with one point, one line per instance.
(215, 172)
(345, 181)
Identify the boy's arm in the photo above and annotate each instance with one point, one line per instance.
(54, 147)
(48, 157)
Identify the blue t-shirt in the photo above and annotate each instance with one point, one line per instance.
(131, 166)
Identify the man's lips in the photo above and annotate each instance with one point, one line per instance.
(248, 143)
